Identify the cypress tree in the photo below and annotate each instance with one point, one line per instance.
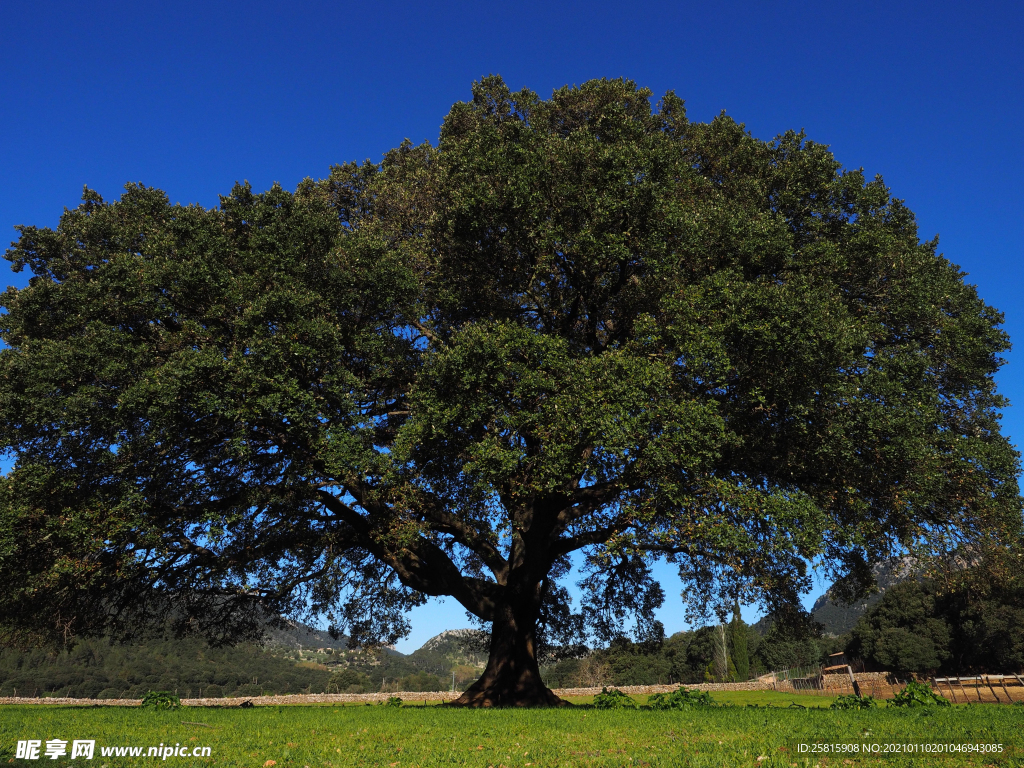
(740, 657)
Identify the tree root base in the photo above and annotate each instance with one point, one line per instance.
(492, 697)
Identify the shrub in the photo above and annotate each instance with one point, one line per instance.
(393, 701)
(349, 681)
(854, 702)
(917, 695)
(160, 700)
(421, 681)
(213, 692)
(681, 698)
(108, 693)
(613, 699)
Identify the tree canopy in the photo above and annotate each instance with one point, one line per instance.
(576, 325)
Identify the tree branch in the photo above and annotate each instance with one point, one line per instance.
(585, 539)
(429, 334)
(470, 538)
(585, 500)
(420, 564)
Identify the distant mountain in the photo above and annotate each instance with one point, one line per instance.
(304, 639)
(296, 635)
(467, 647)
(838, 618)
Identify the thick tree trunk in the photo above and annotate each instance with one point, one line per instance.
(512, 676)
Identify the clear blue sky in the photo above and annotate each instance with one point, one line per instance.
(191, 97)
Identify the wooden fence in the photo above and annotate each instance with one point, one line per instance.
(986, 689)
(993, 689)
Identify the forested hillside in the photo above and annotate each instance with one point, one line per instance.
(95, 668)
(294, 659)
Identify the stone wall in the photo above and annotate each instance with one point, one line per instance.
(646, 690)
(263, 701)
(882, 685)
(878, 684)
(376, 698)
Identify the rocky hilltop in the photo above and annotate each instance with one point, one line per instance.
(839, 618)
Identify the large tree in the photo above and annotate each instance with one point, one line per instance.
(580, 326)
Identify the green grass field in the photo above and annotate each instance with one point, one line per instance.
(336, 736)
